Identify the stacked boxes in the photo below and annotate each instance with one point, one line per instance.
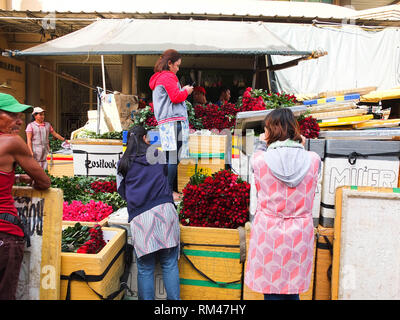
(207, 153)
(356, 163)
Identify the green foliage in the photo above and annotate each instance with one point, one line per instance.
(55, 144)
(142, 115)
(198, 177)
(195, 122)
(87, 134)
(74, 237)
(74, 188)
(117, 135)
(112, 199)
(274, 100)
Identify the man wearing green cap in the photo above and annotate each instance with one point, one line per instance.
(13, 151)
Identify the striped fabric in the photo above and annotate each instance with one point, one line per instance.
(155, 229)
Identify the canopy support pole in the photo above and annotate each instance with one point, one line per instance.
(100, 97)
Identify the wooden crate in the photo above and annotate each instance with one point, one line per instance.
(338, 114)
(187, 167)
(213, 146)
(221, 264)
(60, 165)
(95, 264)
(323, 268)
(249, 294)
(102, 223)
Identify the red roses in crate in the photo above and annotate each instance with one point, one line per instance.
(95, 243)
(219, 201)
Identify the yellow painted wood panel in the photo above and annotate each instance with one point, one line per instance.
(323, 263)
(206, 258)
(51, 238)
(186, 169)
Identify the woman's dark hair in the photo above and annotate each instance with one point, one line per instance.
(168, 55)
(281, 125)
(135, 147)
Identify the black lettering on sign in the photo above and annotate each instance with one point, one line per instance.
(30, 211)
(101, 164)
(10, 67)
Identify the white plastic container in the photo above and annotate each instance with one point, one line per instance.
(343, 168)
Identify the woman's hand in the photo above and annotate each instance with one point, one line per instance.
(24, 178)
(262, 137)
(303, 140)
(189, 89)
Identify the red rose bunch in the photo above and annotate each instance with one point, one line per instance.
(142, 104)
(145, 117)
(250, 103)
(309, 127)
(91, 211)
(219, 201)
(104, 186)
(216, 117)
(95, 243)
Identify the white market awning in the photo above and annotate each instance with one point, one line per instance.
(154, 36)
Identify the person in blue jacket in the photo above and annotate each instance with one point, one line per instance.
(153, 219)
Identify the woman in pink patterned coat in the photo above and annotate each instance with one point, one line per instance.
(280, 256)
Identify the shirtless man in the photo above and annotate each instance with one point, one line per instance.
(13, 151)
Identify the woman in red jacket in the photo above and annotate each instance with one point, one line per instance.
(170, 112)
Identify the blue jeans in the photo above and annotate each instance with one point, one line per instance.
(173, 159)
(274, 296)
(145, 278)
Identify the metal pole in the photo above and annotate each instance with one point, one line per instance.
(253, 84)
(99, 93)
(103, 74)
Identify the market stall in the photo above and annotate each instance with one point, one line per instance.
(208, 146)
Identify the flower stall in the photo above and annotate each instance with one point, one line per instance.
(214, 212)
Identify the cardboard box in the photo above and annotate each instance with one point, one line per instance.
(60, 165)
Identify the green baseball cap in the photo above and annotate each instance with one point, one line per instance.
(10, 104)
